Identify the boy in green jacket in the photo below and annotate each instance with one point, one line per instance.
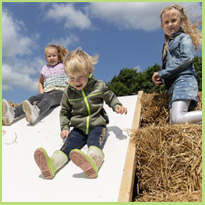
(82, 109)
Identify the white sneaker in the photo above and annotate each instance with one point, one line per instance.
(31, 111)
(8, 113)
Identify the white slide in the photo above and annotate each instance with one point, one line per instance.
(22, 180)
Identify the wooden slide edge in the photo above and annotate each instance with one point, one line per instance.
(127, 182)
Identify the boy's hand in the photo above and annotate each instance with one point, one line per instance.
(120, 109)
(64, 134)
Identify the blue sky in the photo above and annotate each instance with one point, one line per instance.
(125, 35)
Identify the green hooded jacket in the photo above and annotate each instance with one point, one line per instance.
(83, 109)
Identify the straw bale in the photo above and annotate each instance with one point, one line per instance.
(199, 107)
(155, 110)
(169, 160)
(162, 196)
(12, 104)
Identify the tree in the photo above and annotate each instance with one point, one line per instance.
(198, 66)
(121, 84)
(130, 80)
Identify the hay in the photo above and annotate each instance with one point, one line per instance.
(13, 104)
(159, 196)
(155, 111)
(199, 107)
(169, 158)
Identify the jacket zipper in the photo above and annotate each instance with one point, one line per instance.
(88, 108)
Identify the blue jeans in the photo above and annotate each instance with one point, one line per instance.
(45, 102)
(77, 139)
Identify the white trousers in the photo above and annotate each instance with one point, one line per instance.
(179, 113)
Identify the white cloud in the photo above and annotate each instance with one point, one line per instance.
(14, 42)
(138, 68)
(71, 17)
(129, 15)
(21, 73)
(6, 87)
(193, 10)
(18, 71)
(66, 42)
(11, 78)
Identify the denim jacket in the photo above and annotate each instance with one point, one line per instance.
(179, 59)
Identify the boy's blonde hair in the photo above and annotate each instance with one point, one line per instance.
(78, 61)
(60, 49)
(186, 26)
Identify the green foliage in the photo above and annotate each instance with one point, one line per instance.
(130, 80)
(198, 67)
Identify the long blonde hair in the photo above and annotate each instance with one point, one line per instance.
(60, 49)
(78, 61)
(186, 26)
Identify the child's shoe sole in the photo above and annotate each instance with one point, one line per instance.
(5, 119)
(43, 162)
(84, 162)
(4, 107)
(26, 106)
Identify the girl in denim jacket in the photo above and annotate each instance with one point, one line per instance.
(178, 73)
